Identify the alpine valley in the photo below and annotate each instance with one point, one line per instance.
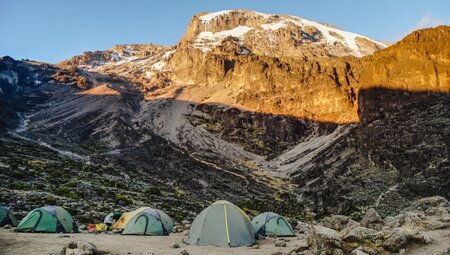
(271, 112)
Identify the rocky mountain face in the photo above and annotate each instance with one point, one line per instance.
(273, 112)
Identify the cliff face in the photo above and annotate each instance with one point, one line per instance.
(316, 88)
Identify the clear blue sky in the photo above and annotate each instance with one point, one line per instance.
(53, 30)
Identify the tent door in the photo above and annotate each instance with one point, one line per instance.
(39, 219)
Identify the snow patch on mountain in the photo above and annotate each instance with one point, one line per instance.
(214, 39)
(274, 26)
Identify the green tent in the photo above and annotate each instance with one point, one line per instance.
(7, 217)
(222, 224)
(150, 222)
(271, 224)
(52, 219)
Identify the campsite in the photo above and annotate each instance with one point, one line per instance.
(224, 228)
(51, 229)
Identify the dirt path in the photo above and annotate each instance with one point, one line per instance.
(36, 243)
(441, 243)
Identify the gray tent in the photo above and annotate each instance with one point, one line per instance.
(7, 217)
(271, 224)
(222, 224)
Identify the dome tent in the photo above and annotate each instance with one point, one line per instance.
(126, 217)
(53, 219)
(271, 224)
(148, 221)
(7, 217)
(222, 224)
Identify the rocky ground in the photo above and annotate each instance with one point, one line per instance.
(422, 228)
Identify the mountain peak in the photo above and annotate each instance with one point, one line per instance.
(275, 35)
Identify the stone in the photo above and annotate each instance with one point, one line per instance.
(79, 248)
(446, 252)
(391, 222)
(185, 222)
(358, 252)
(338, 222)
(280, 243)
(436, 224)
(301, 247)
(369, 250)
(337, 252)
(397, 240)
(372, 220)
(359, 234)
(175, 246)
(322, 237)
(276, 253)
(256, 246)
(184, 252)
(185, 239)
(302, 227)
(7, 226)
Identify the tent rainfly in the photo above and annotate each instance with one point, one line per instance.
(271, 224)
(149, 221)
(222, 224)
(53, 219)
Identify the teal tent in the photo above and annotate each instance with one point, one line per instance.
(271, 224)
(7, 217)
(222, 224)
(53, 219)
(149, 221)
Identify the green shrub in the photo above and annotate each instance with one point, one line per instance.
(62, 191)
(356, 215)
(153, 191)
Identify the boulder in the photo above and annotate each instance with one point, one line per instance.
(338, 222)
(358, 252)
(372, 220)
(302, 227)
(322, 237)
(398, 239)
(391, 222)
(360, 234)
(300, 247)
(79, 248)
